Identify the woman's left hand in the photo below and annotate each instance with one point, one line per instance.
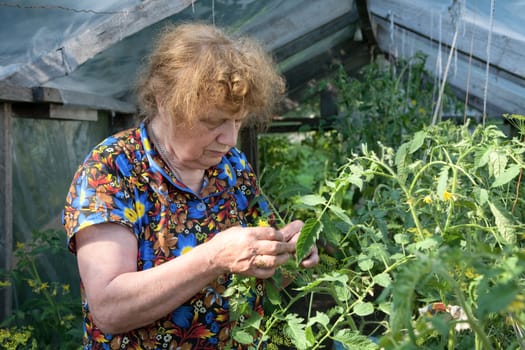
(291, 234)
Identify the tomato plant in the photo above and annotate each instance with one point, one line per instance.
(420, 229)
(437, 220)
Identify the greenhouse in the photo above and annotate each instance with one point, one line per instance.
(399, 144)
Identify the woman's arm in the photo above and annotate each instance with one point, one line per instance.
(121, 298)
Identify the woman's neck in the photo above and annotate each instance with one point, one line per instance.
(191, 177)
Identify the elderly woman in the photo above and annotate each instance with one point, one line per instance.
(160, 216)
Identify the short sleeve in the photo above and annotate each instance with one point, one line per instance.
(98, 194)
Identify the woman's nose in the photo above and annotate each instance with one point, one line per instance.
(229, 133)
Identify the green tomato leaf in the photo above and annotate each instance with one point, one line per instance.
(482, 195)
(321, 318)
(426, 244)
(402, 238)
(329, 278)
(417, 141)
(401, 154)
(307, 238)
(241, 336)
(497, 298)
(310, 336)
(442, 181)
(296, 331)
(383, 279)
(497, 163)
(341, 293)
(481, 157)
(507, 175)
(365, 263)
(506, 232)
(313, 200)
(353, 340)
(364, 309)
(340, 213)
(355, 176)
(272, 294)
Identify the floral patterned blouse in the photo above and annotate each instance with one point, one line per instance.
(124, 180)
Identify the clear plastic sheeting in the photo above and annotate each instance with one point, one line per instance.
(508, 14)
(46, 153)
(32, 28)
(475, 46)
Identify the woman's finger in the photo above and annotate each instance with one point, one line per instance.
(292, 229)
(312, 259)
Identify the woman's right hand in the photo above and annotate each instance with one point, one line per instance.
(251, 251)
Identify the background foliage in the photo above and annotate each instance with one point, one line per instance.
(47, 313)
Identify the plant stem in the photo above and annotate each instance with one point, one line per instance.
(517, 191)
(406, 191)
(36, 276)
(472, 320)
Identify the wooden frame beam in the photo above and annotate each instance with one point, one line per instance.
(6, 205)
(70, 99)
(53, 111)
(67, 97)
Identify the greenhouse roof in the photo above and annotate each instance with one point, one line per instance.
(95, 47)
(87, 52)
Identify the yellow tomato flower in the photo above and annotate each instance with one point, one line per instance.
(31, 283)
(427, 199)
(449, 196)
(469, 273)
(517, 305)
(262, 222)
(4, 284)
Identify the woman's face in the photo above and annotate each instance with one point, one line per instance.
(203, 144)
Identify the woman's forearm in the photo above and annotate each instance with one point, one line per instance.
(135, 299)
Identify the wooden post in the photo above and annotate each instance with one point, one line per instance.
(249, 146)
(6, 208)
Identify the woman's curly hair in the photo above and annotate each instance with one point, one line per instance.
(197, 65)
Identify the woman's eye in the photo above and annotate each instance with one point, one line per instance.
(212, 124)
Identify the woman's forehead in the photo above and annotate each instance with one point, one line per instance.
(223, 112)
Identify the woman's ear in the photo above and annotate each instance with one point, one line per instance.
(160, 103)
